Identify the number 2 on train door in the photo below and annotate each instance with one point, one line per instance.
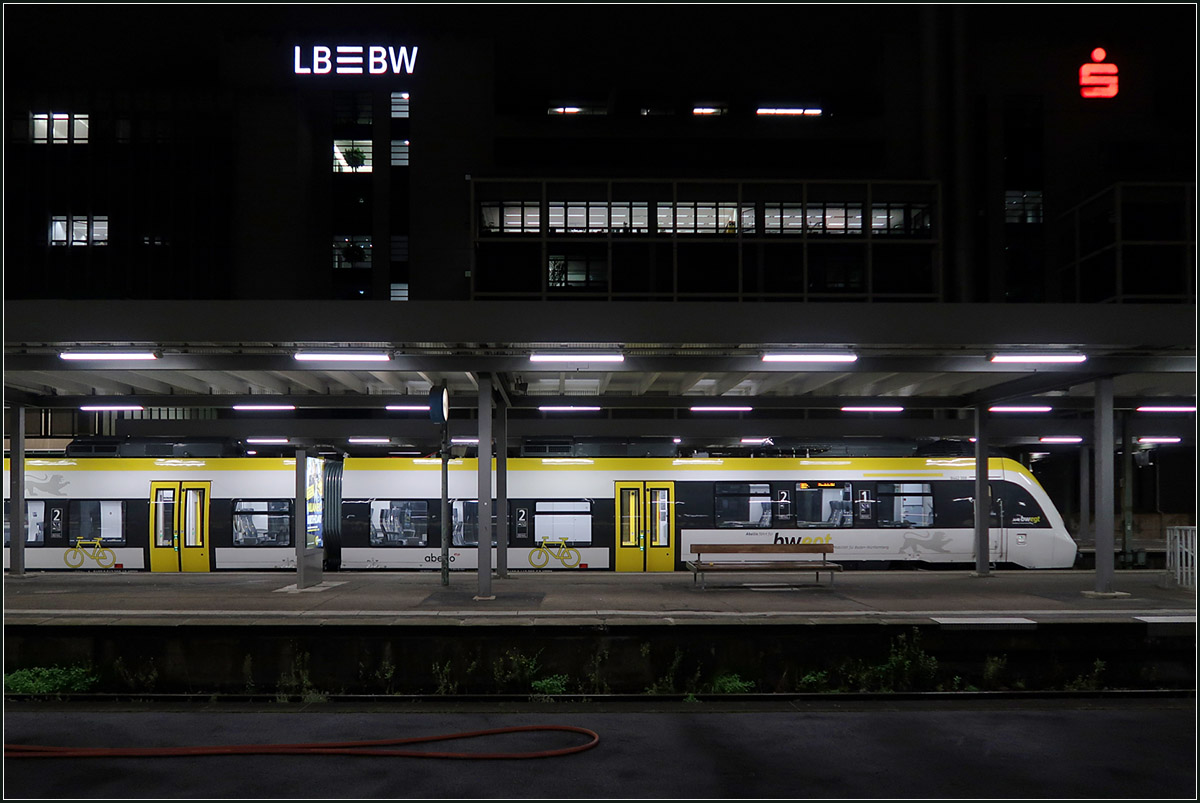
(645, 527)
(179, 526)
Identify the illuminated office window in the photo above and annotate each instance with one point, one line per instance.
(702, 217)
(399, 104)
(79, 230)
(510, 216)
(352, 156)
(58, 128)
(399, 153)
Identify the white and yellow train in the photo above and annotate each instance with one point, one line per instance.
(622, 514)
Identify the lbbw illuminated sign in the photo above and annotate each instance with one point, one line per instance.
(356, 60)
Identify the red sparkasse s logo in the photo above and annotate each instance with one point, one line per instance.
(1097, 79)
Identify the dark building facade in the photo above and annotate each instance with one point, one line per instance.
(932, 156)
(798, 153)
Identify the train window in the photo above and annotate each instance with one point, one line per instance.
(35, 518)
(1017, 506)
(904, 504)
(570, 521)
(262, 522)
(464, 523)
(742, 504)
(399, 522)
(824, 503)
(91, 519)
(954, 504)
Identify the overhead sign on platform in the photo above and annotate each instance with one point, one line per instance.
(354, 60)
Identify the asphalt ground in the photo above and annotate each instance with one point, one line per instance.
(589, 598)
(1083, 748)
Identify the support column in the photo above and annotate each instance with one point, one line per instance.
(445, 503)
(485, 488)
(1104, 485)
(16, 492)
(501, 488)
(982, 494)
(1126, 489)
(1085, 494)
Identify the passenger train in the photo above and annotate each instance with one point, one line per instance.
(569, 514)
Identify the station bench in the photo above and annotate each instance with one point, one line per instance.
(816, 565)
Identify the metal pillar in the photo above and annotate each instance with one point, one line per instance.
(501, 488)
(445, 503)
(16, 482)
(1104, 485)
(1126, 488)
(485, 487)
(982, 494)
(1085, 494)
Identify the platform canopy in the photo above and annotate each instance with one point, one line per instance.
(633, 372)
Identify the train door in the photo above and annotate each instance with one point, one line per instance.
(645, 527)
(179, 526)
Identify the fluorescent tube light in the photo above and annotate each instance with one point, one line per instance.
(1062, 439)
(567, 409)
(266, 440)
(873, 409)
(108, 355)
(809, 357)
(103, 408)
(464, 440)
(342, 356)
(756, 440)
(1019, 409)
(1038, 358)
(264, 407)
(721, 409)
(1152, 409)
(1159, 439)
(369, 440)
(408, 407)
(577, 358)
(791, 112)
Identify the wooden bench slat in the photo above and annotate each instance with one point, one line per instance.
(758, 548)
(735, 565)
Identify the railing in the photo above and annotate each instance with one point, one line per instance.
(1181, 555)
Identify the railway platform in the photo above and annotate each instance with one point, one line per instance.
(248, 599)
(601, 632)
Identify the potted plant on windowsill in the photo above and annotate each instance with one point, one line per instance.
(354, 157)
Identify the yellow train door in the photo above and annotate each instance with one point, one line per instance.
(179, 526)
(645, 527)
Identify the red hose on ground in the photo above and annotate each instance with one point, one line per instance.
(368, 748)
